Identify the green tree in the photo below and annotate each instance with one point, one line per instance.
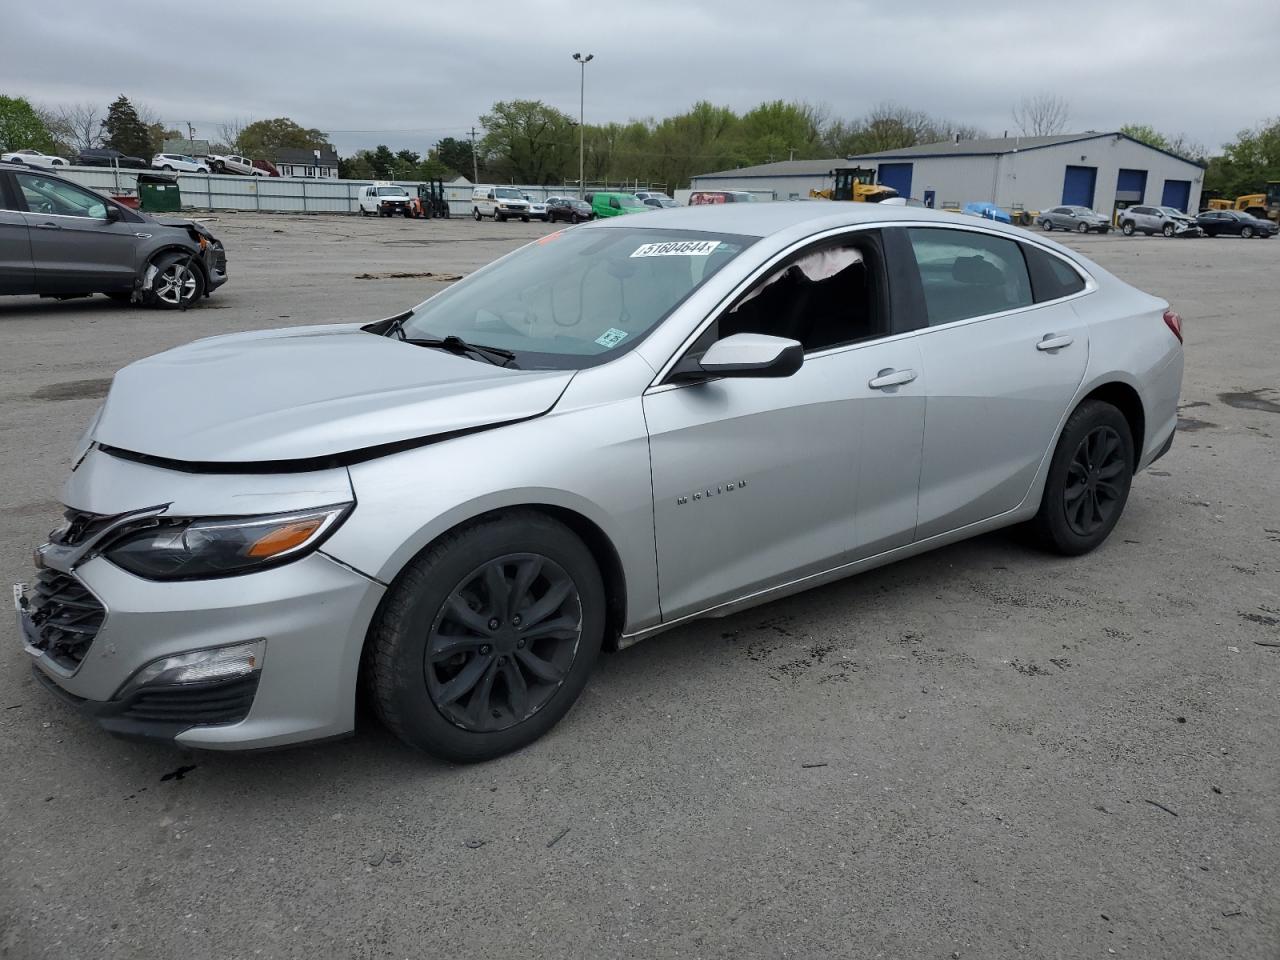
(1247, 163)
(21, 126)
(781, 131)
(456, 155)
(528, 141)
(265, 138)
(356, 167)
(124, 130)
(1145, 133)
(383, 161)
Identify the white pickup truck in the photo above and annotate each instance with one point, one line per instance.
(235, 164)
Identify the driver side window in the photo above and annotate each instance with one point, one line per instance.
(827, 295)
(53, 197)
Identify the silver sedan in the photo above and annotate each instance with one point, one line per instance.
(1079, 219)
(615, 429)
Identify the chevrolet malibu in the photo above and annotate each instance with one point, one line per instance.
(616, 429)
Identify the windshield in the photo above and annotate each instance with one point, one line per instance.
(1082, 211)
(392, 192)
(577, 297)
(506, 193)
(630, 202)
(1172, 211)
(744, 197)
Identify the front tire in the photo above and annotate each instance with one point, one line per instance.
(1047, 224)
(1083, 228)
(475, 212)
(1127, 228)
(178, 282)
(1247, 233)
(1167, 229)
(1088, 482)
(486, 639)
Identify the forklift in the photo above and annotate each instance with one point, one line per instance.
(430, 201)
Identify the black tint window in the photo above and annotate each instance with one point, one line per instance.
(966, 274)
(1051, 277)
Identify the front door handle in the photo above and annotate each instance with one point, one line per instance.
(891, 378)
(1050, 342)
(49, 226)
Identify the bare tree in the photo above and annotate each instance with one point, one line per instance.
(229, 133)
(1042, 115)
(78, 125)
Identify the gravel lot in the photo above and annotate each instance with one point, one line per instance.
(984, 752)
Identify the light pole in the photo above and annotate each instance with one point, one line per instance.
(582, 129)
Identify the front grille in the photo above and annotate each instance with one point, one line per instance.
(66, 616)
(195, 704)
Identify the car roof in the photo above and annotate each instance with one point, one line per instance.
(763, 219)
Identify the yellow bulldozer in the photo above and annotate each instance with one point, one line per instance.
(855, 183)
(1264, 206)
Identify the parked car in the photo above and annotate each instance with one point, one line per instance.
(106, 157)
(456, 507)
(1234, 223)
(384, 200)
(178, 162)
(59, 239)
(701, 197)
(568, 209)
(1079, 219)
(501, 203)
(32, 158)
(267, 167)
(658, 203)
(988, 211)
(537, 208)
(234, 163)
(1153, 220)
(609, 204)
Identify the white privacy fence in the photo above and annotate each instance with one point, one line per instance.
(277, 194)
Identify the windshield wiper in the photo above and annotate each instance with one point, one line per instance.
(454, 344)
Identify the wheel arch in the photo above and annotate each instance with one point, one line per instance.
(171, 246)
(597, 541)
(1126, 399)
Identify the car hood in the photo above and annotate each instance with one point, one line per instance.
(304, 393)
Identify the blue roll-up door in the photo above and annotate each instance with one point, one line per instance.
(1177, 194)
(1077, 186)
(898, 176)
(1131, 185)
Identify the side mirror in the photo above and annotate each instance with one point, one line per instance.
(113, 213)
(743, 355)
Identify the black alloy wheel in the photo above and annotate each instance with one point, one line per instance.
(1092, 496)
(503, 642)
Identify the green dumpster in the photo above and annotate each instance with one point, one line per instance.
(159, 193)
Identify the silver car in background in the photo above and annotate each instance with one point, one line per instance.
(611, 431)
(1079, 219)
(1163, 220)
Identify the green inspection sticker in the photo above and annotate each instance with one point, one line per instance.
(611, 337)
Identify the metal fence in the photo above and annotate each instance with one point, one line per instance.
(284, 194)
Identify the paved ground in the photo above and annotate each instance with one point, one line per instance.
(984, 753)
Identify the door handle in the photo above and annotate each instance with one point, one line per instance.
(48, 226)
(1050, 342)
(891, 378)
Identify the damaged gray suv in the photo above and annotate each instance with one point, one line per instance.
(616, 429)
(59, 239)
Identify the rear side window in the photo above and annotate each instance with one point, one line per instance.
(1051, 277)
(966, 274)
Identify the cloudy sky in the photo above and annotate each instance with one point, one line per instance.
(408, 72)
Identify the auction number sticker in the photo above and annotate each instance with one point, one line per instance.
(677, 248)
(611, 337)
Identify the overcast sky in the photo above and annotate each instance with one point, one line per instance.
(408, 72)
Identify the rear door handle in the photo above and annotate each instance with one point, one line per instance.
(49, 226)
(1050, 342)
(891, 378)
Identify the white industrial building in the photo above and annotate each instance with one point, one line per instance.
(1106, 171)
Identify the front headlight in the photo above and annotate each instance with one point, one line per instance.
(186, 549)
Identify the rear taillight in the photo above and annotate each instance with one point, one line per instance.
(1174, 323)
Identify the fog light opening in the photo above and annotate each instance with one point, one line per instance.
(200, 666)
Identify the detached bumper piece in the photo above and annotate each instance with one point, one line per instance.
(63, 618)
(162, 711)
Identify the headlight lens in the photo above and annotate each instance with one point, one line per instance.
(185, 549)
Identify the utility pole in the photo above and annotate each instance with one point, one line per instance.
(191, 131)
(582, 126)
(475, 164)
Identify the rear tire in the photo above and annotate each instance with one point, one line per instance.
(1127, 228)
(449, 630)
(1088, 482)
